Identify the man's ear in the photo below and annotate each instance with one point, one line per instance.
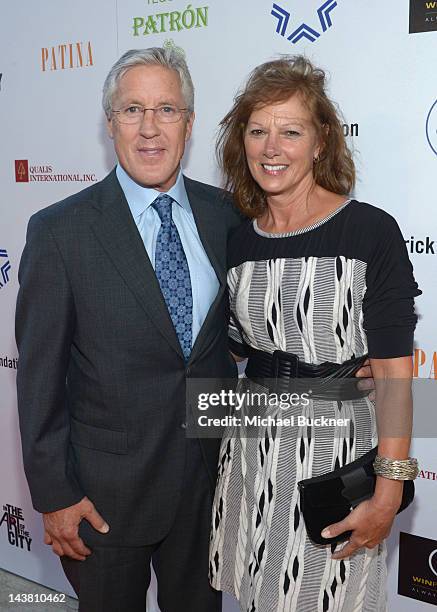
(110, 127)
(189, 127)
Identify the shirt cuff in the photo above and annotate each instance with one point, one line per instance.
(390, 342)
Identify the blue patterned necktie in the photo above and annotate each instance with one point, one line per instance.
(173, 274)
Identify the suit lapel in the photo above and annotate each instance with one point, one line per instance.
(116, 231)
(207, 220)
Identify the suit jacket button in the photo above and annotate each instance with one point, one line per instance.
(188, 371)
(184, 425)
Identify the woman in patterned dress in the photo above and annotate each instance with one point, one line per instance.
(320, 275)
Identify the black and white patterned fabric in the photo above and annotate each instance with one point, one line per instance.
(336, 290)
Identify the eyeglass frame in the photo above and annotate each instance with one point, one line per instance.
(154, 109)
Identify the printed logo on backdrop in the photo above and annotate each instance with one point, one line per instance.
(21, 171)
(425, 364)
(188, 18)
(417, 568)
(12, 523)
(431, 127)
(30, 173)
(169, 43)
(5, 268)
(423, 16)
(428, 475)
(289, 26)
(351, 129)
(8, 362)
(422, 245)
(67, 56)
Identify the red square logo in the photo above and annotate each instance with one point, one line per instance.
(21, 171)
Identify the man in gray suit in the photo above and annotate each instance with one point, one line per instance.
(122, 299)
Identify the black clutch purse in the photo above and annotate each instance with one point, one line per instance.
(329, 498)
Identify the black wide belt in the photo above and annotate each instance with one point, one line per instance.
(285, 372)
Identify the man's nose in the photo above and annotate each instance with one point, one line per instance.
(149, 127)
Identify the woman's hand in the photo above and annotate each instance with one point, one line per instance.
(370, 523)
(366, 381)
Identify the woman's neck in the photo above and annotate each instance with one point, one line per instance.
(305, 206)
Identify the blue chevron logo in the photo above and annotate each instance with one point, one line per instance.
(4, 268)
(282, 16)
(304, 30)
(323, 13)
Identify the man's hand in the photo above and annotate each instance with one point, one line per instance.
(366, 381)
(61, 529)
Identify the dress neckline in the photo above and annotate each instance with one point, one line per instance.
(302, 230)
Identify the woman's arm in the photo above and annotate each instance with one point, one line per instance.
(394, 409)
(371, 521)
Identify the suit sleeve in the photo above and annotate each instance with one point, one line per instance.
(44, 326)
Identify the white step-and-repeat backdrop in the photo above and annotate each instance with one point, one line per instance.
(381, 60)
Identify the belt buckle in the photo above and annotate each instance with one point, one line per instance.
(291, 369)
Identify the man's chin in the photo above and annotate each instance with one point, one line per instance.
(155, 181)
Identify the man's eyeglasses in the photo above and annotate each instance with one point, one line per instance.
(134, 113)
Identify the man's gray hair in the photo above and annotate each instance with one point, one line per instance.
(154, 56)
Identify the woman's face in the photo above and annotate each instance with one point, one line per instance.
(280, 143)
